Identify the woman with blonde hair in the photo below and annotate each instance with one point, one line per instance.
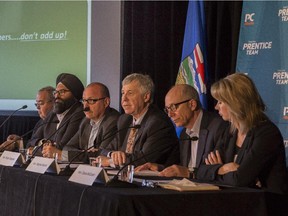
(251, 152)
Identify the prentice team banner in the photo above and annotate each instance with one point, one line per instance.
(263, 55)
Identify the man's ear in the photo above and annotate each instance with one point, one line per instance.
(106, 102)
(192, 104)
(147, 97)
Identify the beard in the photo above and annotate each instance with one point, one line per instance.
(62, 105)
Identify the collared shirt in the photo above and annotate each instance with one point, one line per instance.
(139, 120)
(61, 117)
(134, 122)
(94, 131)
(194, 144)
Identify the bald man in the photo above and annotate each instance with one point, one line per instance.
(202, 131)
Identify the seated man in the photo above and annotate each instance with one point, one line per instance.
(203, 129)
(67, 111)
(96, 130)
(44, 104)
(156, 138)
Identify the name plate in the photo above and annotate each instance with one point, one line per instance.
(42, 165)
(9, 158)
(85, 174)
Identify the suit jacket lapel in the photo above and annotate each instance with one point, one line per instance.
(185, 152)
(230, 148)
(141, 129)
(203, 133)
(85, 136)
(244, 147)
(201, 146)
(139, 132)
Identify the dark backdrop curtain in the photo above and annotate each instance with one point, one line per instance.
(17, 125)
(152, 35)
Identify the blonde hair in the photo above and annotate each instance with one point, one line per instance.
(241, 95)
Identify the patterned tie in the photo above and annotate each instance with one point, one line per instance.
(130, 141)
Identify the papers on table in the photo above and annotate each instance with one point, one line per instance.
(187, 185)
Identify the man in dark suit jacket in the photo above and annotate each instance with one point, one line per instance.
(201, 133)
(97, 129)
(211, 128)
(67, 111)
(155, 140)
(44, 104)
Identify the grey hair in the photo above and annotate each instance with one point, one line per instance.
(50, 91)
(145, 83)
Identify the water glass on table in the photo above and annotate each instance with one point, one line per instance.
(95, 161)
(127, 174)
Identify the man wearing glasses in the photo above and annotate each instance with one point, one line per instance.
(44, 104)
(44, 101)
(97, 129)
(203, 130)
(61, 124)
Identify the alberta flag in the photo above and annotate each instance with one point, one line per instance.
(193, 68)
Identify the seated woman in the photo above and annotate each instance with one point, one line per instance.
(251, 153)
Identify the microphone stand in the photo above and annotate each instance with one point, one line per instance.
(25, 134)
(57, 130)
(69, 171)
(194, 138)
(115, 182)
(3, 123)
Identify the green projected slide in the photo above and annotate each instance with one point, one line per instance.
(38, 41)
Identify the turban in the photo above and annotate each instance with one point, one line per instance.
(72, 83)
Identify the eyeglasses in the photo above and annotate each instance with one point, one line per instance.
(174, 107)
(41, 103)
(91, 101)
(61, 92)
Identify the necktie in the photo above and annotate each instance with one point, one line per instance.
(130, 141)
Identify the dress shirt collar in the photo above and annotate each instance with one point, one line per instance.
(196, 127)
(62, 115)
(139, 120)
(96, 123)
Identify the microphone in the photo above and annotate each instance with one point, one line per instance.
(194, 138)
(115, 182)
(68, 171)
(25, 134)
(51, 135)
(3, 123)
